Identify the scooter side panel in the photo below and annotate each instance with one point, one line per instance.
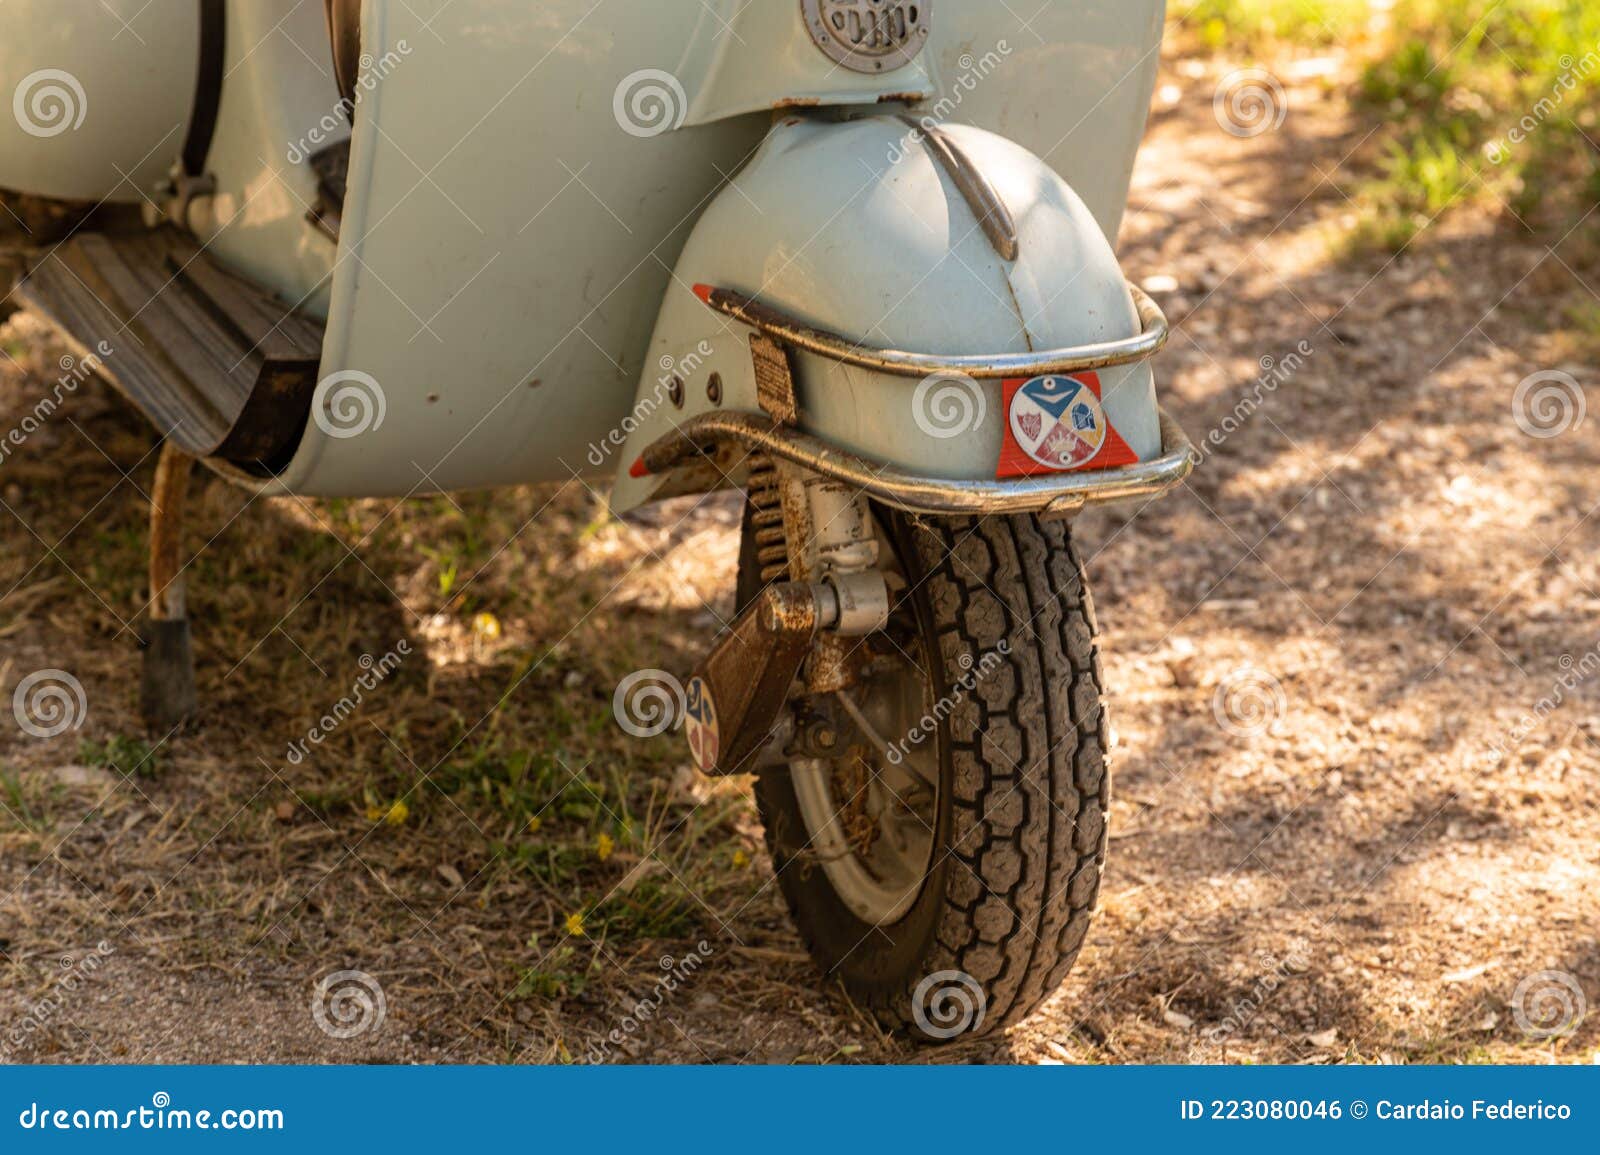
(509, 237)
(99, 96)
(501, 275)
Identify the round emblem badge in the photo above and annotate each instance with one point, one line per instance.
(869, 35)
(700, 726)
(1058, 422)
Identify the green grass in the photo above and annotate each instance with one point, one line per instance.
(121, 754)
(16, 802)
(1236, 24)
(1497, 109)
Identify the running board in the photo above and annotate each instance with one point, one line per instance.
(218, 366)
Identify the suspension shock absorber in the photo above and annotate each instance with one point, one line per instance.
(807, 622)
(766, 519)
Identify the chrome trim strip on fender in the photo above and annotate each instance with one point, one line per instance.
(981, 196)
(984, 367)
(1054, 493)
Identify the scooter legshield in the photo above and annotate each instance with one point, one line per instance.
(866, 229)
(100, 96)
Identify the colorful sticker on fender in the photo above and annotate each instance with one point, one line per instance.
(1056, 425)
(701, 726)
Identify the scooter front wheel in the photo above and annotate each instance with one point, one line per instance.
(943, 862)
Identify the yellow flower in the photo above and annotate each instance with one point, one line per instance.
(575, 925)
(534, 823)
(394, 814)
(603, 846)
(486, 626)
(740, 859)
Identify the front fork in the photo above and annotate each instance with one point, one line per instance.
(824, 589)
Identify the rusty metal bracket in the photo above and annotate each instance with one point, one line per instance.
(740, 688)
(774, 380)
(167, 694)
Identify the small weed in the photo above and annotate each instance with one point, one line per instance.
(17, 803)
(121, 753)
(558, 973)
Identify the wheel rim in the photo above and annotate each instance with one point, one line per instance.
(871, 814)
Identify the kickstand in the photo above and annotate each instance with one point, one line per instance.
(167, 696)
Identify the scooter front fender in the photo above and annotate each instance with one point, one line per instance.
(916, 279)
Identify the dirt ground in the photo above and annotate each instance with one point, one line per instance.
(1357, 812)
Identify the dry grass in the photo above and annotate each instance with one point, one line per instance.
(1363, 879)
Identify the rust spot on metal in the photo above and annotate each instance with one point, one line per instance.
(774, 380)
(167, 498)
(835, 664)
(789, 610)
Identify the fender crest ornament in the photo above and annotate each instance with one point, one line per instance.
(869, 35)
(1056, 424)
(700, 718)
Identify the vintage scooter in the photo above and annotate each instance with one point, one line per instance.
(848, 256)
